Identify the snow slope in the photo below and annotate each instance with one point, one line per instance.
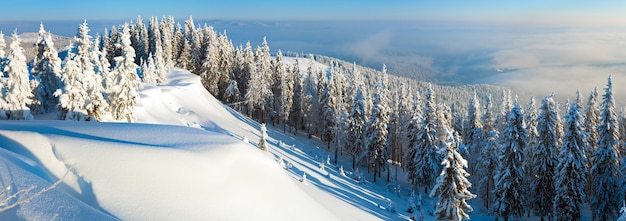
(185, 159)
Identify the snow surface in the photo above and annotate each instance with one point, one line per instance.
(184, 159)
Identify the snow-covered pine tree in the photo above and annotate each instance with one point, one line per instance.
(263, 141)
(297, 112)
(72, 97)
(310, 101)
(329, 104)
(210, 71)
(258, 89)
(452, 185)
(605, 201)
(533, 136)
(184, 60)
(544, 158)
(355, 143)
(47, 71)
(96, 104)
(139, 40)
(263, 60)
(377, 129)
(122, 93)
(509, 177)
(426, 158)
(278, 78)
(232, 95)
(167, 41)
(571, 171)
(287, 88)
(18, 94)
(473, 134)
(225, 63)
(488, 157)
(592, 119)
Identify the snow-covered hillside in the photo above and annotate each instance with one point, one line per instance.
(185, 159)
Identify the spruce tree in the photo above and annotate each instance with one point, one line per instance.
(452, 186)
(571, 172)
(96, 104)
(377, 130)
(122, 93)
(263, 140)
(544, 158)
(488, 157)
(18, 94)
(509, 177)
(426, 158)
(47, 71)
(72, 97)
(473, 134)
(356, 126)
(605, 201)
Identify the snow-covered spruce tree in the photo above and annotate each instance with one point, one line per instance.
(310, 101)
(96, 105)
(263, 60)
(544, 158)
(413, 130)
(571, 172)
(139, 40)
(47, 71)
(329, 111)
(377, 129)
(296, 116)
(122, 92)
(509, 178)
(452, 186)
(287, 88)
(258, 92)
(225, 63)
(210, 72)
(592, 119)
(184, 60)
(278, 78)
(18, 93)
(605, 201)
(533, 137)
(473, 134)
(488, 158)
(426, 158)
(148, 71)
(248, 67)
(262, 141)
(355, 142)
(72, 97)
(232, 95)
(167, 41)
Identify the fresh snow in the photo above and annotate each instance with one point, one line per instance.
(184, 159)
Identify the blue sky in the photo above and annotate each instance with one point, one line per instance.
(532, 12)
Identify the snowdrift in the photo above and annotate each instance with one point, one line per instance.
(149, 171)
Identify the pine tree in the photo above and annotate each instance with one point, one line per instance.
(509, 178)
(72, 97)
(17, 93)
(297, 110)
(544, 158)
(47, 71)
(571, 172)
(452, 186)
(355, 142)
(122, 93)
(96, 105)
(329, 112)
(262, 141)
(287, 92)
(488, 157)
(605, 201)
(473, 134)
(426, 157)
(377, 130)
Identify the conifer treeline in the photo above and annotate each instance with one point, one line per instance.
(522, 161)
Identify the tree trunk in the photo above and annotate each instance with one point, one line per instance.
(353, 162)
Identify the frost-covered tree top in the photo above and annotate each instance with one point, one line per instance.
(3, 44)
